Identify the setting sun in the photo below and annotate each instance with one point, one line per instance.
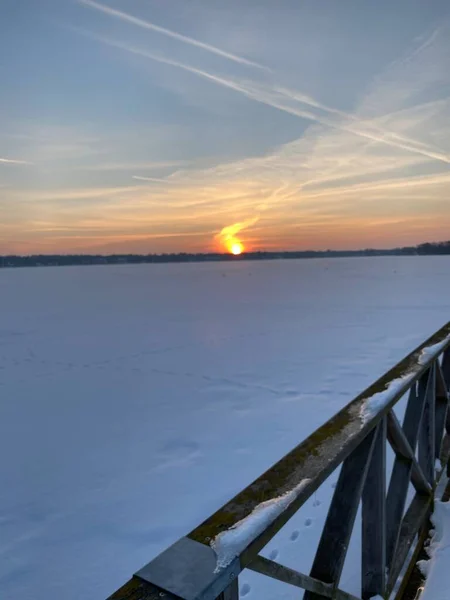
(236, 248)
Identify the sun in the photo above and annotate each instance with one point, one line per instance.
(236, 248)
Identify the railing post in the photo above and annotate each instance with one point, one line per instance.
(373, 572)
(427, 431)
(441, 409)
(446, 367)
(333, 545)
(232, 591)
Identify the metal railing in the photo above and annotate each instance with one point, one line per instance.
(196, 568)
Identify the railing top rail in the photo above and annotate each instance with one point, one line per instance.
(313, 460)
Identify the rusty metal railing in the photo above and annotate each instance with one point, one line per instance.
(206, 564)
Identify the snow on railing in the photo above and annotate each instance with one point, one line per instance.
(205, 564)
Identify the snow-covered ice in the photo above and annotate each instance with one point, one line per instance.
(436, 569)
(136, 400)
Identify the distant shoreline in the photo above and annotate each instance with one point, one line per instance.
(61, 260)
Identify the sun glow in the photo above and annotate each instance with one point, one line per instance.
(236, 248)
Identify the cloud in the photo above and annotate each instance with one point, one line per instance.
(404, 183)
(228, 235)
(153, 179)
(376, 174)
(44, 143)
(134, 166)
(294, 103)
(10, 161)
(167, 32)
(73, 194)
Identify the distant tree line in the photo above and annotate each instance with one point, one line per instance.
(52, 260)
(436, 248)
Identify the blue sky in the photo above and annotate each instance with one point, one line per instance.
(168, 125)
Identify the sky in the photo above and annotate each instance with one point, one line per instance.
(185, 125)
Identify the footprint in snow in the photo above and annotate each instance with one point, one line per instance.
(178, 453)
(308, 522)
(245, 589)
(294, 535)
(273, 554)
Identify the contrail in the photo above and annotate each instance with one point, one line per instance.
(173, 34)
(154, 179)
(10, 161)
(279, 97)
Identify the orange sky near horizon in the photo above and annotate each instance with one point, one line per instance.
(175, 137)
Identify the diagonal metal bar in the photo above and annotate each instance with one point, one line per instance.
(395, 504)
(272, 569)
(373, 567)
(401, 447)
(401, 472)
(333, 545)
(413, 521)
(404, 581)
(427, 443)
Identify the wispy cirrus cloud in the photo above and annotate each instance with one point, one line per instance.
(69, 194)
(12, 161)
(134, 166)
(296, 104)
(118, 14)
(152, 179)
(45, 144)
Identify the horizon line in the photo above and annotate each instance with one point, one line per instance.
(227, 254)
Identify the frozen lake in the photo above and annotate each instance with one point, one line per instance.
(135, 400)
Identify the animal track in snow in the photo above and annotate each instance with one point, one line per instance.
(294, 535)
(273, 554)
(308, 522)
(245, 589)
